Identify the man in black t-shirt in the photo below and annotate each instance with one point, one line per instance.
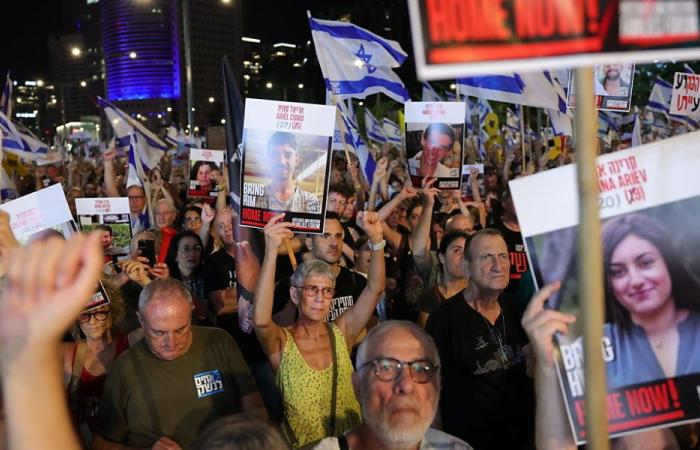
(348, 284)
(228, 298)
(487, 398)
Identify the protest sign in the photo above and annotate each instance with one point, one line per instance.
(111, 212)
(649, 205)
(286, 163)
(467, 193)
(613, 87)
(42, 214)
(434, 139)
(685, 99)
(456, 38)
(206, 166)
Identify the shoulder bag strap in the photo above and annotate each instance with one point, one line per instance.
(334, 393)
(78, 362)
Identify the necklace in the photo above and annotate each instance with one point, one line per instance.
(499, 340)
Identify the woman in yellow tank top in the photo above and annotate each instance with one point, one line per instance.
(312, 358)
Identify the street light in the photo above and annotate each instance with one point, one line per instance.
(268, 85)
(211, 99)
(40, 83)
(169, 109)
(300, 85)
(132, 55)
(75, 51)
(83, 84)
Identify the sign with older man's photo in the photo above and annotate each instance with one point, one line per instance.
(434, 137)
(650, 207)
(286, 162)
(613, 87)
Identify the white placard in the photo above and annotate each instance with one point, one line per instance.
(685, 100)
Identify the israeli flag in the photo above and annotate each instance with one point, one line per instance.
(429, 94)
(538, 89)
(356, 62)
(145, 149)
(23, 144)
(354, 139)
(6, 97)
(392, 131)
(660, 100)
(375, 132)
(562, 124)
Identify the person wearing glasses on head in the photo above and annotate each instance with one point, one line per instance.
(184, 261)
(311, 357)
(487, 398)
(398, 385)
(98, 341)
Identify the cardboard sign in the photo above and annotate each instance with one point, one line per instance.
(454, 38)
(649, 205)
(286, 163)
(613, 87)
(44, 213)
(685, 100)
(112, 212)
(205, 167)
(434, 142)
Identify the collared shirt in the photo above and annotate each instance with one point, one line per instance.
(433, 440)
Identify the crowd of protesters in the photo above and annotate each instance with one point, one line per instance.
(403, 277)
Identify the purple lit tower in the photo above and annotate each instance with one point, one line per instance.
(146, 48)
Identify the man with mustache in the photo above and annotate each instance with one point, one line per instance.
(283, 194)
(398, 384)
(613, 83)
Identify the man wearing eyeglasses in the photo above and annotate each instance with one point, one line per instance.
(487, 398)
(167, 387)
(398, 386)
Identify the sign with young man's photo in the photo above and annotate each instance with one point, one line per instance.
(111, 217)
(434, 138)
(286, 162)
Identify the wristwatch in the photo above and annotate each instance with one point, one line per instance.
(378, 246)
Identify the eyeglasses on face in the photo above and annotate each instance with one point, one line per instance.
(389, 369)
(99, 315)
(312, 291)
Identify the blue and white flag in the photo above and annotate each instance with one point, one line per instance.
(429, 94)
(562, 124)
(6, 97)
(353, 138)
(392, 131)
(145, 148)
(375, 131)
(660, 101)
(178, 138)
(356, 62)
(23, 144)
(538, 89)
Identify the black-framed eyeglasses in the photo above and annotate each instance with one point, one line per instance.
(187, 249)
(312, 291)
(389, 369)
(101, 316)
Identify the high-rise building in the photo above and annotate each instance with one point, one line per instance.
(149, 46)
(76, 59)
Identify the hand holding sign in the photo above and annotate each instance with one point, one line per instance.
(275, 232)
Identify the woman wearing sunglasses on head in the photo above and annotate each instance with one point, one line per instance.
(98, 341)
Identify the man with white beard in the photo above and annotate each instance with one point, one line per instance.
(398, 385)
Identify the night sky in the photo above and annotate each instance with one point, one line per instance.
(27, 25)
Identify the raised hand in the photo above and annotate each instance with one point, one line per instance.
(541, 324)
(48, 283)
(380, 170)
(275, 232)
(369, 222)
(428, 190)
(207, 213)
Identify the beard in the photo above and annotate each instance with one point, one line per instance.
(400, 428)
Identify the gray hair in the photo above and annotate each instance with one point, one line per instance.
(239, 432)
(161, 286)
(311, 268)
(376, 333)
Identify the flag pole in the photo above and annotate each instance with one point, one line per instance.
(522, 137)
(590, 270)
